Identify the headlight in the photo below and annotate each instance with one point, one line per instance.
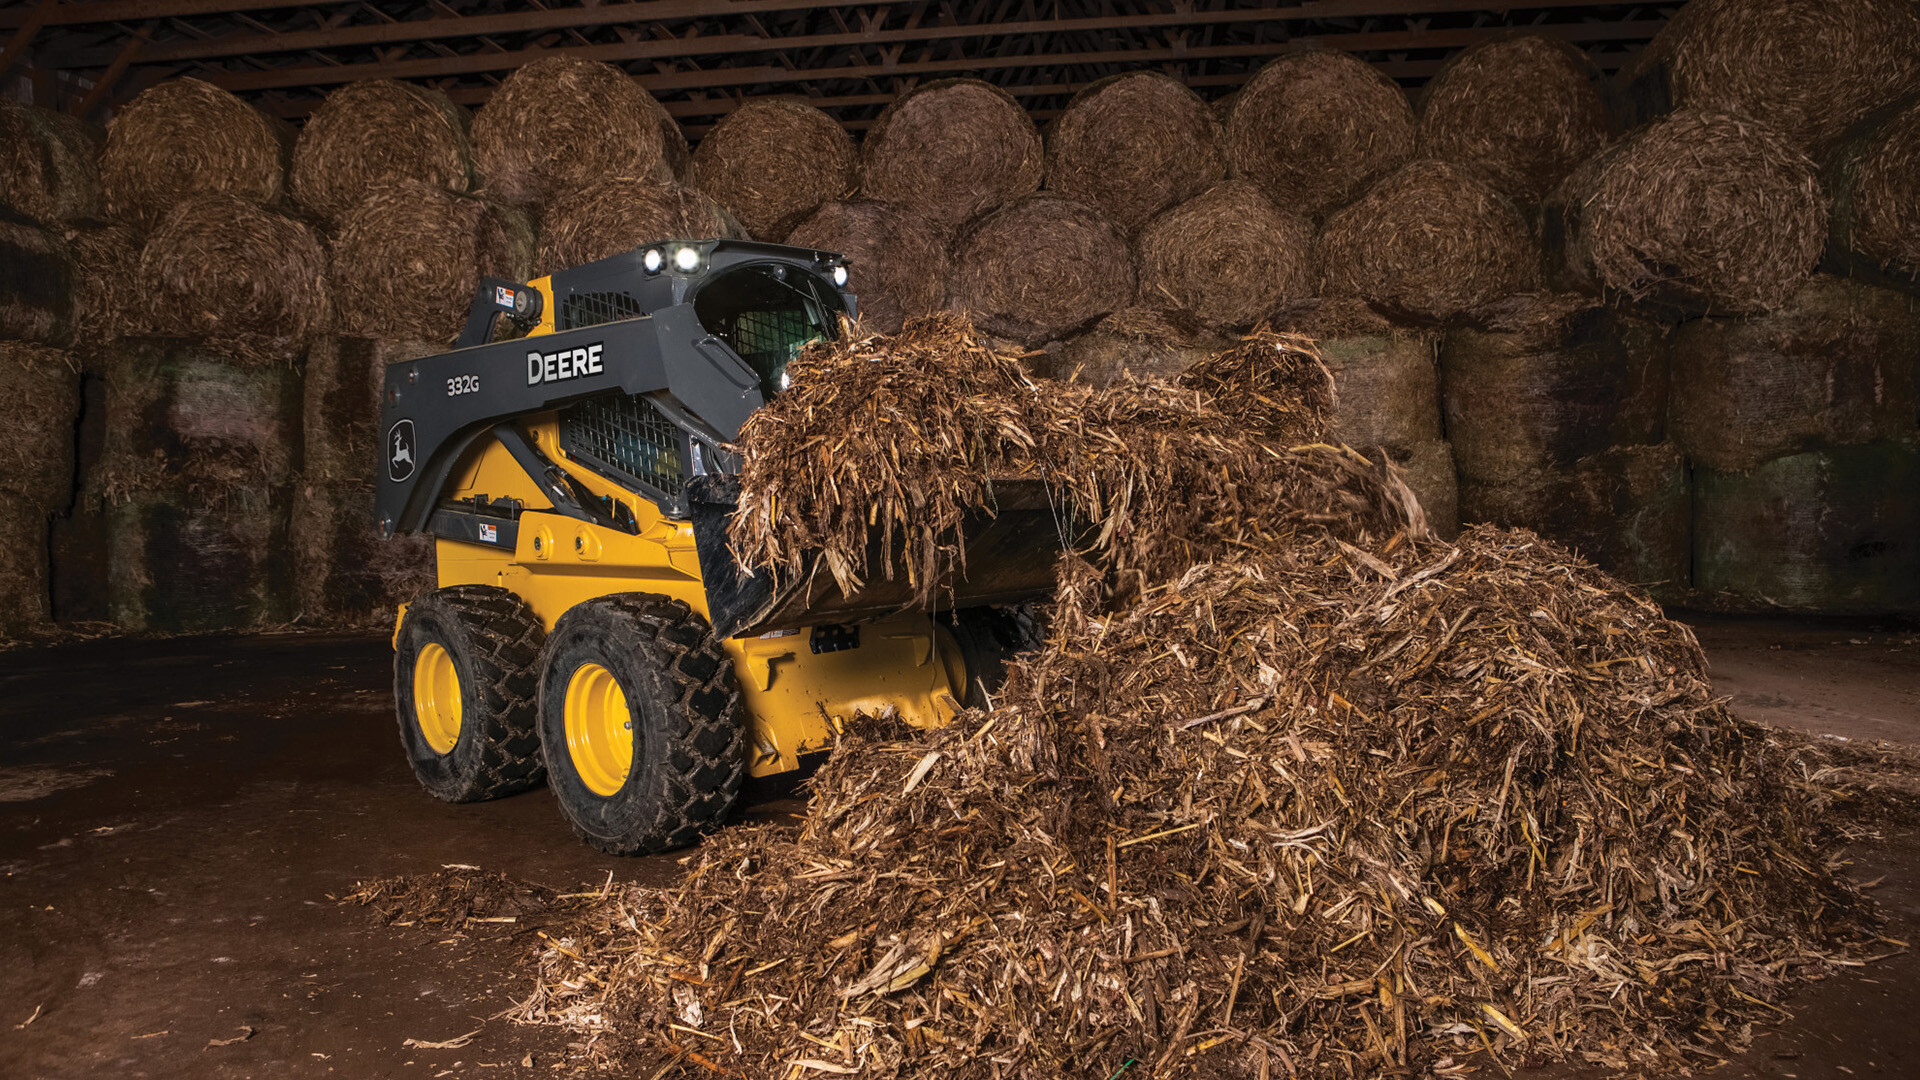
(840, 277)
(687, 259)
(653, 260)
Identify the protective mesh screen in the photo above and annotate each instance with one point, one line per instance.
(628, 436)
(592, 309)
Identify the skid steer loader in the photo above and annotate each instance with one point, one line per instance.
(591, 626)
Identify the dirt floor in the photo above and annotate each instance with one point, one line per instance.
(178, 819)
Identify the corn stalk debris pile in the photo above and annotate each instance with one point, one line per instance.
(1293, 787)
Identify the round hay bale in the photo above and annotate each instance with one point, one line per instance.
(25, 578)
(1546, 380)
(1700, 211)
(1143, 343)
(1133, 145)
(107, 301)
(1430, 241)
(896, 260)
(1835, 367)
(1807, 68)
(183, 567)
(184, 139)
(49, 164)
(344, 574)
(368, 135)
(1428, 469)
(188, 423)
(1040, 267)
(1627, 509)
(614, 216)
(951, 150)
(1386, 390)
(42, 385)
(1834, 531)
(36, 282)
(340, 404)
(562, 123)
(408, 259)
(771, 163)
(1875, 180)
(224, 269)
(1228, 256)
(1524, 110)
(1314, 128)
(1222, 108)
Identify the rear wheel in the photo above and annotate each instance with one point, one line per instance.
(986, 638)
(464, 686)
(642, 723)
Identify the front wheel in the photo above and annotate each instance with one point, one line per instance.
(463, 685)
(642, 723)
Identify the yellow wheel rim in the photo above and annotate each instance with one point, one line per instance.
(436, 697)
(599, 729)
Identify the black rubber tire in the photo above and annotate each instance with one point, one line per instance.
(690, 743)
(988, 637)
(494, 640)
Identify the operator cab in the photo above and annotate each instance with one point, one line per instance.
(767, 313)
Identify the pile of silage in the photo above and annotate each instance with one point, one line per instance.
(1524, 110)
(1807, 68)
(1427, 243)
(1039, 268)
(951, 150)
(616, 215)
(561, 123)
(896, 260)
(1228, 256)
(184, 139)
(1658, 216)
(771, 163)
(49, 164)
(1133, 145)
(1875, 180)
(1137, 342)
(1314, 128)
(226, 270)
(408, 259)
(1342, 799)
(371, 134)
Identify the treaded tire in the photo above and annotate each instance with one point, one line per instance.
(989, 637)
(494, 641)
(689, 735)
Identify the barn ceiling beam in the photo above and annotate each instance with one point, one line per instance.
(439, 66)
(537, 19)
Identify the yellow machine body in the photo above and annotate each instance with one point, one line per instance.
(907, 665)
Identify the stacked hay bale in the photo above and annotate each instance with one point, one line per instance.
(36, 282)
(562, 123)
(1315, 128)
(36, 474)
(107, 299)
(1386, 395)
(1428, 242)
(1801, 428)
(367, 136)
(1874, 176)
(49, 164)
(1133, 145)
(1039, 268)
(1556, 407)
(1655, 219)
(896, 259)
(185, 139)
(407, 260)
(951, 151)
(1525, 110)
(1226, 257)
(234, 274)
(1808, 69)
(344, 573)
(1135, 342)
(772, 163)
(191, 491)
(615, 215)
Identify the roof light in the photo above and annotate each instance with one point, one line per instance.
(653, 260)
(686, 258)
(840, 277)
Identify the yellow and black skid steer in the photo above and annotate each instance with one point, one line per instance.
(591, 626)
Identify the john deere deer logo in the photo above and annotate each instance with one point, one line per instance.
(400, 451)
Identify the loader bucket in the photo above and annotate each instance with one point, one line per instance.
(1009, 558)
